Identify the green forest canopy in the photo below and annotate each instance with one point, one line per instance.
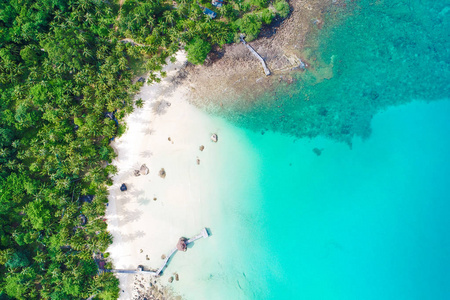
(65, 79)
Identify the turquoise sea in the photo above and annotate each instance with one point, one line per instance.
(346, 194)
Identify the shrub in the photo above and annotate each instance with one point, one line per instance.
(197, 50)
(78, 121)
(267, 16)
(250, 24)
(282, 8)
(259, 3)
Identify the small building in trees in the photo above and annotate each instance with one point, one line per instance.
(209, 13)
(217, 3)
(86, 198)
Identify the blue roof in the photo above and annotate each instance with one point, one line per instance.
(210, 13)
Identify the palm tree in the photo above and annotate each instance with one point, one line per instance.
(169, 17)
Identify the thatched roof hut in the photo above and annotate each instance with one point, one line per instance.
(182, 245)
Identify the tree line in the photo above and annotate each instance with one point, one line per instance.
(66, 83)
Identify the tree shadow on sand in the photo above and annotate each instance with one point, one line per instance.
(146, 154)
(126, 238)
(129, 216)
(143, 201)
(160, 107)
(148, 131)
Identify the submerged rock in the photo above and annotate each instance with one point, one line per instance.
(317, 151)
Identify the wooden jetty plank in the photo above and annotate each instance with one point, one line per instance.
(263, 63)
(203, 234)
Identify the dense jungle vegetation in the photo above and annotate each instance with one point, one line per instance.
(66, 83)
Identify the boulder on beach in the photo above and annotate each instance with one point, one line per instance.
(143, 170)
(136, 173)
(182, 245)
(214, 137)
(202, 148)
(170, 279)
(162, 173)
(177, 277)
(198, 161)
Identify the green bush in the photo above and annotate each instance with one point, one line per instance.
(267, 16)
(17, 260)
(78, 121)
(282, 8)
(197, 50)
(259, 3)
(229, 12)
(250, 24)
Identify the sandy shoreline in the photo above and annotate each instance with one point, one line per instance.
(144, 228)
(147, 220)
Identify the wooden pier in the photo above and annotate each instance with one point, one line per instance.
(203, 234)
(261, 60)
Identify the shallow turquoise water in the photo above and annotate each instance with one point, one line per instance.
(370, 221)
(370, 55)
(366, 223)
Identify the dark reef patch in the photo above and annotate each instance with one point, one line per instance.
(381, 54)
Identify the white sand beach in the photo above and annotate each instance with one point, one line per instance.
(136, 220)
(191, 196)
